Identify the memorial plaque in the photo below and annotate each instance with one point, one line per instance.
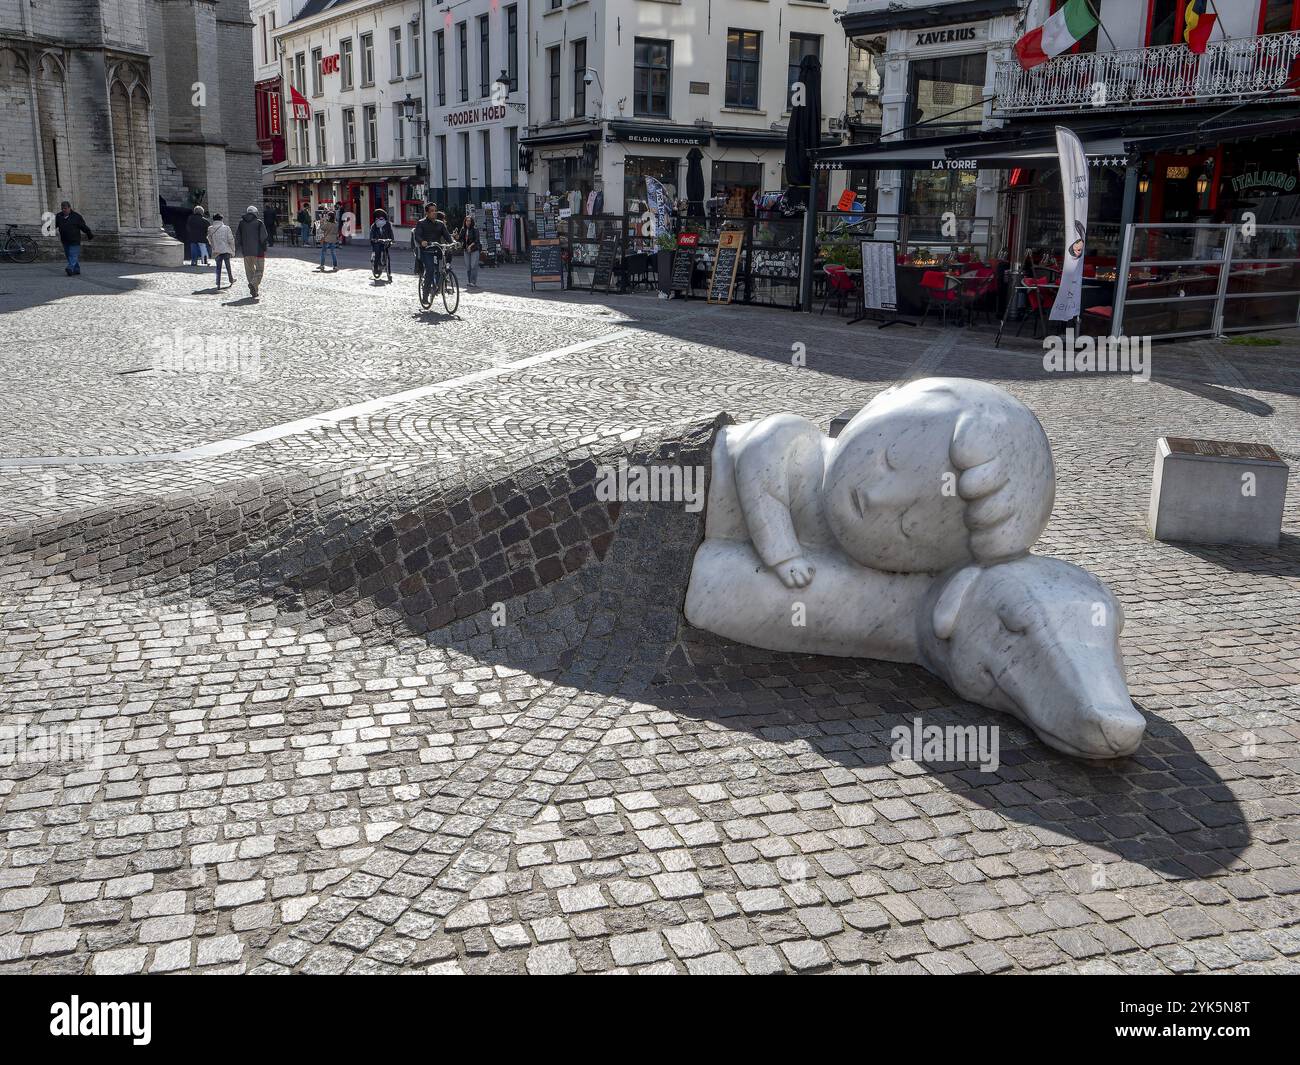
(1221, 449)
(722, 283)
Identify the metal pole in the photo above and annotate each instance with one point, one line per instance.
(808, 251)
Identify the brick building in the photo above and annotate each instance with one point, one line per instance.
(110, 103)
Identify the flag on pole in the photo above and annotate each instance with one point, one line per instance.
(301, 107)
(1066, 28)
(1198, 22)
(1074, 187)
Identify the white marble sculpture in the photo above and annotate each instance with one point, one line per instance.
(907, 538)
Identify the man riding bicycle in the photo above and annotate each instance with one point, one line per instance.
(429, 236)
(380, 229)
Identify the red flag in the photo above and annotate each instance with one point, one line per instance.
(299, 105)
(1198, 39)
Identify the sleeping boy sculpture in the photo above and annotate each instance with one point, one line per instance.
(907, 539)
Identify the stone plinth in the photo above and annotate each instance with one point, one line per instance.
(1217, 492)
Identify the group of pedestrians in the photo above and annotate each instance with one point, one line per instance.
(215, 242)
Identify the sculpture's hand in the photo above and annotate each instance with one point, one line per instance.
(795, 572)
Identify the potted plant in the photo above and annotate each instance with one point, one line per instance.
(666, 243)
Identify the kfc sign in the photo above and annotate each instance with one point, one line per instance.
(329, 64)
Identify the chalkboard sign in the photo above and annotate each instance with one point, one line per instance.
(606, 253)
(683, 267)
(723, 281)
(545, 262)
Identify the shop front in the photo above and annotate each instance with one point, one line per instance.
(361, 191)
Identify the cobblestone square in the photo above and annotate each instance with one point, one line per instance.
(377, 683)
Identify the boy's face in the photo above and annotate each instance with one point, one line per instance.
(890, 491)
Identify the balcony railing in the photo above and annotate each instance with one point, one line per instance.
(1166, 76)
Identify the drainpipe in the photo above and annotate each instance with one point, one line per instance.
(428, 103)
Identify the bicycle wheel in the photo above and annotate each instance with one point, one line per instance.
(450, 291)
(388, 266)
(21, 249)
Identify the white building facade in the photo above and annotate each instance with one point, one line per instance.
(353, 106)
(624, 89)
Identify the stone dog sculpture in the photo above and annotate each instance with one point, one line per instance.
(907, 539)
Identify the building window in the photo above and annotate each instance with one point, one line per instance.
(442, 159)
(417, 130)
(462, 37)
(486, 137)
(736, 184)
(636, 168)
(345, 63)
(395, 51)
(1165, 22)
(442, 69)
(299, 73)
(317, 77)
(349, 135)
(415, 49)
(801, 44)
(579, 78)
(484, 57)
(951, 86)
(320, 138)
(512, 153)
(464, 165)
(742, 68)
(399, 133)
(555, 4)
(367, 59)
(512, 46)
(371, 119)
(553, 74)
(652, 77)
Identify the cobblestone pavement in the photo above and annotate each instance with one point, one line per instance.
(389, 689)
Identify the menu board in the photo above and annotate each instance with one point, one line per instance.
(606, 252)
(879, 283)
(684, 263)
(722, 283)
(544, 261)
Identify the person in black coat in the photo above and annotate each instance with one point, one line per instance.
(196, 234)
(70, 226)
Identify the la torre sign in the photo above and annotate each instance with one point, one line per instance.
(954, 164)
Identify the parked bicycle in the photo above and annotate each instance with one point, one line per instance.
(437, 276)
(380, 262)
(17, 247)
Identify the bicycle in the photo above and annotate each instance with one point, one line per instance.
(17, 247)
(381, 262)
(445, 281)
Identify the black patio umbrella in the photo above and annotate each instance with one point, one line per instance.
(804, 132)
(694, 184)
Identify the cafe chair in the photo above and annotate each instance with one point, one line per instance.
(976, 287)
(938, 287)
(636, 270)
(839, 286)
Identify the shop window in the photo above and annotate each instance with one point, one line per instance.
(933, 193)
(742, 67)
(569, 175)
(735, 186)
(1165, 22)
(553, 76)
(801, 44)
(946, 95)
(512, 46)
(637, 168)
(579, 78)
(653, 77)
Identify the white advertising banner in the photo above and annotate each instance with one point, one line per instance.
(1074, 189)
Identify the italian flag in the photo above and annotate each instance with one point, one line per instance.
(1066, 28)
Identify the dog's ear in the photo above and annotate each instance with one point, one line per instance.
(948, 605)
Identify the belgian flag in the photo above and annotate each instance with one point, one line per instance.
(1197, 25)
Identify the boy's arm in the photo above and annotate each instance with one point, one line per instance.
(774, 453)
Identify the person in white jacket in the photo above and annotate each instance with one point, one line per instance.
(221, 241)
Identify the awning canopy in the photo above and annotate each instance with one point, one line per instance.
(568, 136)
(879, 16)
(364, 172)
(996, 150)
(659, 133)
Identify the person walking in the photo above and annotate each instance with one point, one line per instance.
(251, 241)
(196, 235)
(70, 226)
(304, 227)
(473, 249)
(270, 216)
(329, 241)
(222, 242)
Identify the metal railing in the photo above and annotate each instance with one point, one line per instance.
(1195, 279)
(1169, 75)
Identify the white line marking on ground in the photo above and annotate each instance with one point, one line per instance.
(316, 421)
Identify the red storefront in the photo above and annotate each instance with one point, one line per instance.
(268, 107)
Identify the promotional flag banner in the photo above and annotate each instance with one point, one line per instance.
(299, 105)
(658, 205)
(1198, 22)
(1066, 28)
(1074, 189)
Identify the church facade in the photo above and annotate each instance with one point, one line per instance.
(112, 104)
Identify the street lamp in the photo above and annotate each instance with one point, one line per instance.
(503, 79)
(408, 108)
(1144, 183)
(859, 97)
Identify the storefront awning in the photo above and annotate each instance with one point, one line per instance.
(371, 172)
(570, 136)
(877, 16)
(996, 151)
